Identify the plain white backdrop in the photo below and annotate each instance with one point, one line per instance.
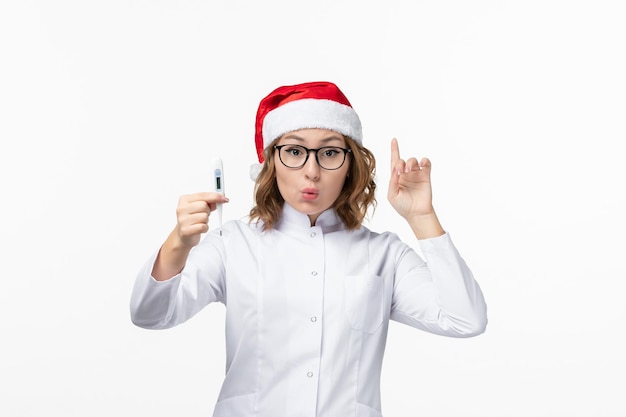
(110, 110)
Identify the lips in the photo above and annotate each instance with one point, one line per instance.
(310, 193)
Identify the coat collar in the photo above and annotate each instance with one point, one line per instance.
(291, 218)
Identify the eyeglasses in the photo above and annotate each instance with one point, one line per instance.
(327, 157)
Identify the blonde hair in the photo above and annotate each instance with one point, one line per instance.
(356, 196)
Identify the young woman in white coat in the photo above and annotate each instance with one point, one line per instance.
(309, 291)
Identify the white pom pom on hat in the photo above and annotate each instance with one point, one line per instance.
(255, 170)
(318, 104)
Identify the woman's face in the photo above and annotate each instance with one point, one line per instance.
(311, 189)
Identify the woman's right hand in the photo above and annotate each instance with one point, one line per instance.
(192, 219)
(192, 216)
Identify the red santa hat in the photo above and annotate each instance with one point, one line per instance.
(310, 105)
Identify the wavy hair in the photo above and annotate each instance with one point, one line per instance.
(356, 197)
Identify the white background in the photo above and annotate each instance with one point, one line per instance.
(109, 110)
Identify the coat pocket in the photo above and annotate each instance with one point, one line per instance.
(364, 296)
(365, 411)
(239, 406)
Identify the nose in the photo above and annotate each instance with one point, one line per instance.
(311, 167)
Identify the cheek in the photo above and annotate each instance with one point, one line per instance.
(338, 184)
(282, 180)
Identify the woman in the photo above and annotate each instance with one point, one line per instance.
(308, 290)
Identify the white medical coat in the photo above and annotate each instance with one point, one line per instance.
(307, 309)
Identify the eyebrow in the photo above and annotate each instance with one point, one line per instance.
(301, 139)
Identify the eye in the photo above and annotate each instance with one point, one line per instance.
(294, 151)
(330, 152)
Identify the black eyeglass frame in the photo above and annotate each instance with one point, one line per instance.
(308, 152)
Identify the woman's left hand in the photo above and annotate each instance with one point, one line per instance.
(410, 192)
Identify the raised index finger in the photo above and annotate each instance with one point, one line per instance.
(395, 152)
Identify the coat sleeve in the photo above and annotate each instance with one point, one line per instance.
(438, 294)
(164, 304)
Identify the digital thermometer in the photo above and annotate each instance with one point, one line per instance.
(217, 170)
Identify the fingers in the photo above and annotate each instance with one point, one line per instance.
(193, 211)
(207, 197)
(194, 224)
(397, 164)
(199, 203)
(411, 165)
(395, 153)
